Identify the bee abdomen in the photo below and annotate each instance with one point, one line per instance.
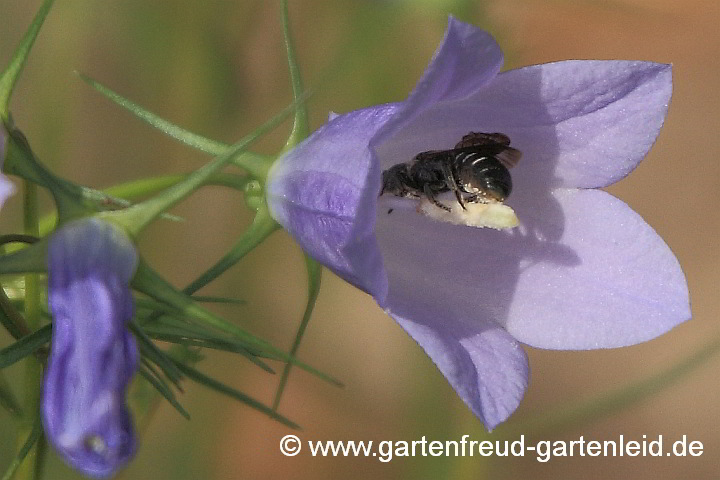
(484, 174)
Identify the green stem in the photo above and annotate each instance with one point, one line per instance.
(575, 415)
(9, 77)
(314, 271)
(33, 440)
(153, 285)
(137, 217)
(7, 398)
(11, 319)
(29, 468)
(263, 225)
(135, 189)
(252, 163)
(301, 127)
(21, 161)
(299, 132)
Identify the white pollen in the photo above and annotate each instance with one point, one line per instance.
(481, 215)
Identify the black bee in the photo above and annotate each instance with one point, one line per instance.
(476, 170)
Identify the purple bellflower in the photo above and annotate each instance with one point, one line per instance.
(6, 186)
(581, 271)
(92, 356)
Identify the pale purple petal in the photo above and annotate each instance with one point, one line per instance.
(6, 186)
(487, 368)
(600, 278)
(579, 123)
(466, 60)
(608, 281)
(324, 191)
(92, 355)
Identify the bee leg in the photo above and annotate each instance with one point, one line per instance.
(431, 197)
(450, 180)
(460, 199)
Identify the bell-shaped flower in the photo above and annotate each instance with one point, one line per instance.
(581, 271)
(92, 355)
(6, 186)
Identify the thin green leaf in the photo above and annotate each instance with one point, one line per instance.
(261, 228)
(581, 413)
(143, 397)
(173, 321)
(163, 389)
(10, 318)
(7, 398)
(157, 356)
(301, 125)
(213, 384)
(137, 217)
(9, 77)
(32, 439)
(207, 299)
(25, 346)
(148, 310)
(143, 187)
(185, 136)
(176, 330)
(314, 274)
(149, 282)
(31, 259)
(222, 345)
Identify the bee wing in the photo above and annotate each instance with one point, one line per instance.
(509, 157)
(474, 139)
(430, 154)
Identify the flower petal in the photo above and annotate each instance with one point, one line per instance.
(486, 367)
(616, 284)
(467, 59)
(579, 123)
(583, 271)
(324, 191)
(92, 356)
(607, 115)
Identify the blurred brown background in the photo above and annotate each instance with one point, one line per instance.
(218, 67)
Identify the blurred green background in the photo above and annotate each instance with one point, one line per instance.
(218, 67)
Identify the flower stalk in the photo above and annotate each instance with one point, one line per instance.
(9, 77)
(30, 468)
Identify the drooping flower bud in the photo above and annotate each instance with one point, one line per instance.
(93, 356)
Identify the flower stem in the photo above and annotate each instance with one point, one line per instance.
(301, 127)
(253, 163)
(9, 77)
(263, 225)
(582, 413)
(30, 467)
(137, 217)
(314, 271)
